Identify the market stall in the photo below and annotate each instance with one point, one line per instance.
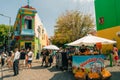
(88, 64)
(90, 40)
(89, 67)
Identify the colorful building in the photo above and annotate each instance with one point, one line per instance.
(29, 30)
(108, 19)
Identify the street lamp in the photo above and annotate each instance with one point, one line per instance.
(9, 29)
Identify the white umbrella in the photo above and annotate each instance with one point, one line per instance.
(90, 39)
(52, 47)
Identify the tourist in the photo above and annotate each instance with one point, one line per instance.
(47, 57)
(50, 60)
(64, 60)
(22, 57)
(115, 55)
(95, 50)
(69, 62)
(38, 55)
(3, 58)
(16, 62)
(43, 57)
(10, 59)
(58, 59)
(82, 49)
(30, 55)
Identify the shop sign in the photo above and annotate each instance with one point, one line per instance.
(88, 62)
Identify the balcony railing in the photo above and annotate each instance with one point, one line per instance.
(29, 32)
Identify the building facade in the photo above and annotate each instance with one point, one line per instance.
(108, 19)
(29, 30)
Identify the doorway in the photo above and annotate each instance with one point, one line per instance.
(27, 45)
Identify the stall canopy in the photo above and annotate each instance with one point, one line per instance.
(52, 47)
(89, 40)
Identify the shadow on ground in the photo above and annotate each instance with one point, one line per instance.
(63, 76)
(69, 76)
(54, 69)
(6, 76)
(38, 67)
(115, 76)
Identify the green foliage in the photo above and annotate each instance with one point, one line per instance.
(4, 33)
(71, 26)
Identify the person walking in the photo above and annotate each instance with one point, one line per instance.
(30, 54)
(10, 59)
(3, 57)
(16, 62)
(64, 60)
(26, 58)
(47, 57)
(59, 59)
(115, 55)
(50, 60)
(43, 57)
(38, 56)
(22, 57)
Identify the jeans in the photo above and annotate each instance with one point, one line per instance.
(15, 67)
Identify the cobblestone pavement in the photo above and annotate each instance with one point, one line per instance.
(51, 73)
(37, 73)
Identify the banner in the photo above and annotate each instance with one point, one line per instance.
(90, 62)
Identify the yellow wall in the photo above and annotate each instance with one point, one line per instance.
(110, 34)
(45, 39)
(22, 44)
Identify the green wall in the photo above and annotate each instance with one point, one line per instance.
(118, 11)
(110, 10)
(35, 46)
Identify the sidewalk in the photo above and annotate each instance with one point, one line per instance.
(37, 73)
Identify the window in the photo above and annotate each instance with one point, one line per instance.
(42, 33)
(28, 24)
(101, 20)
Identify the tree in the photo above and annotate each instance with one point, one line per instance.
(4, 33)
(71, 26)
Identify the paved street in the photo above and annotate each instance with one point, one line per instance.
(37, 73)
(115, 70)
(41, 73)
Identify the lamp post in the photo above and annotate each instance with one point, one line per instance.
(8, 30)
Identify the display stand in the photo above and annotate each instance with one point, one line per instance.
(91, 65)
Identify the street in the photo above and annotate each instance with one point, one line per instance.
(51, 73)
(37, 73)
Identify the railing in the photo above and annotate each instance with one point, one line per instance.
(29, 32)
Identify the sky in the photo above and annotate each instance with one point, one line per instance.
(48, 10)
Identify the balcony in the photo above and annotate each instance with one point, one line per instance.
(27, 32)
